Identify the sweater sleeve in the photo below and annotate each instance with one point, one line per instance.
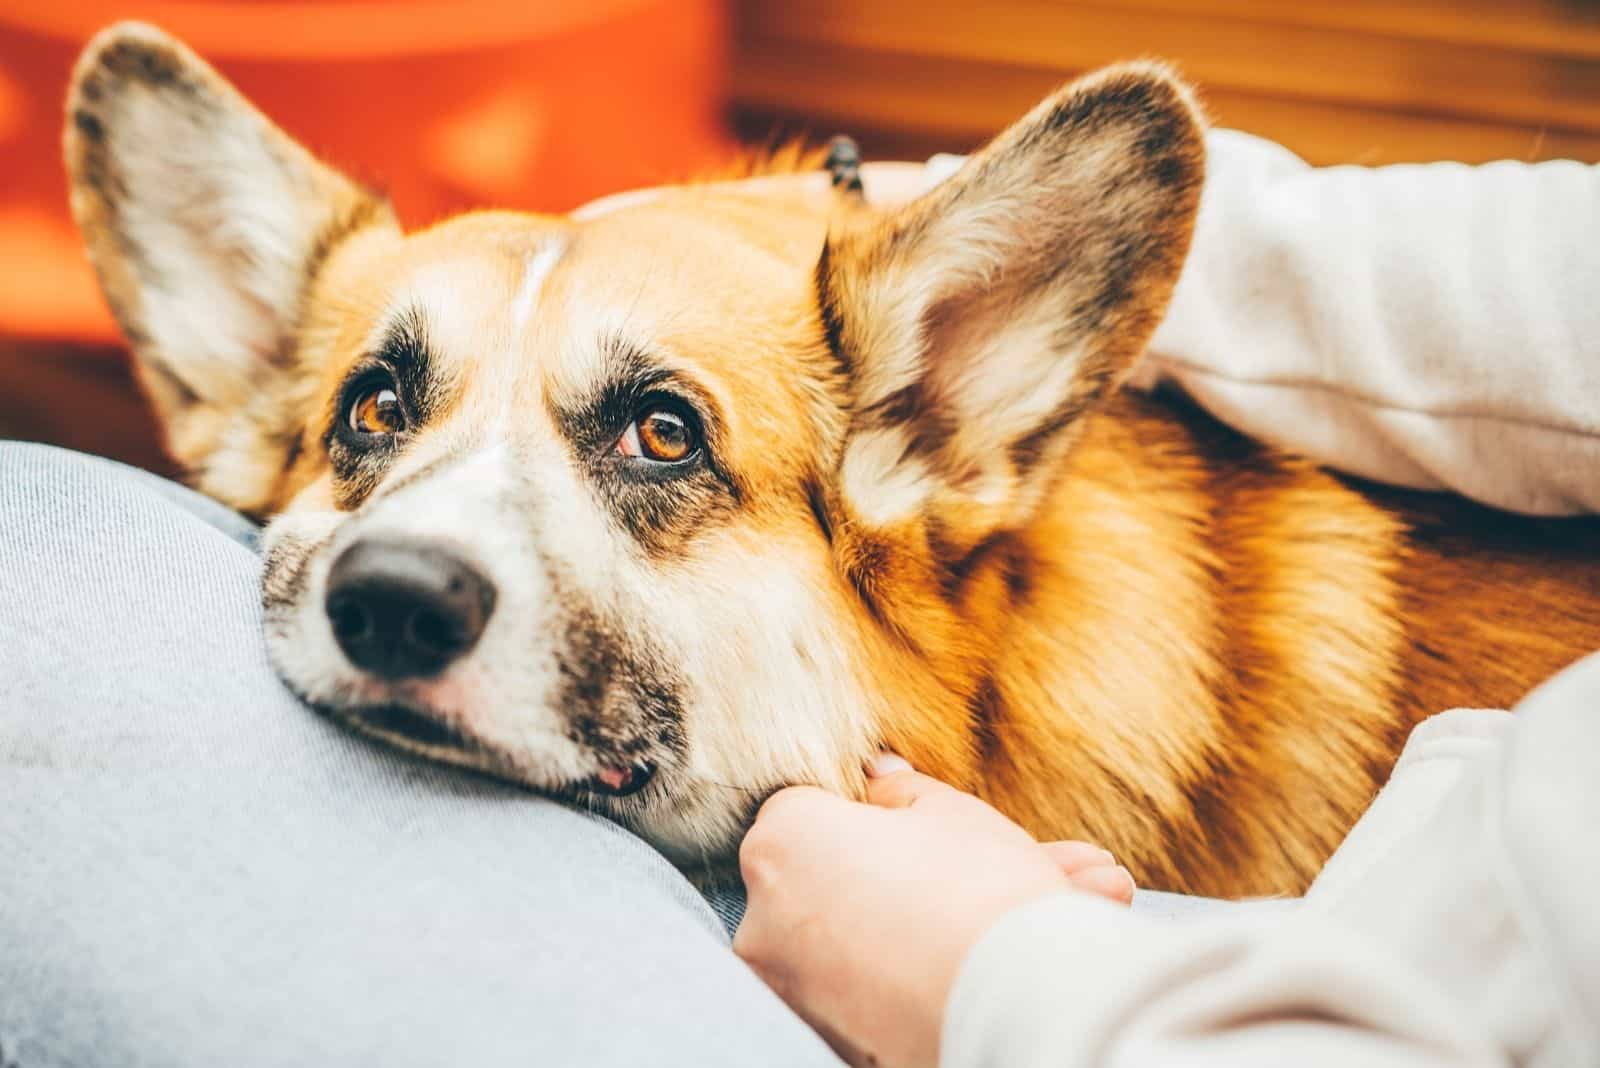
(1433, 326)
(1072, 980)
(1454, 926)
(1333, 980)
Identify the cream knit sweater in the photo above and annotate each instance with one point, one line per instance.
(1433, 326)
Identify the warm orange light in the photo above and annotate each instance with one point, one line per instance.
(327, 29)
(11, 107)
(541, 104)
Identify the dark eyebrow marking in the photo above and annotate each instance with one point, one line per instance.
(403, 353)
(664, 506)
(631, 374)
(404, 348)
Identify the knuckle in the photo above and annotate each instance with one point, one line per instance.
(745, 944)
(754, 946)
(757, 858)
(893, 791)
(784, 828)
(786, 811)
(779, 805)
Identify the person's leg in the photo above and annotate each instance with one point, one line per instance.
(197, 870)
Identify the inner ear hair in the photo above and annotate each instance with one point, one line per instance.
(207, 226)
(979, 323)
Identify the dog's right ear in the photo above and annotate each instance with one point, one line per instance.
(980, 325)
(207, 226)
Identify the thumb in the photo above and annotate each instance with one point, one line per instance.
(893, 783)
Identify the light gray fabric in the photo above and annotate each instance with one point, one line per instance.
(196, 870)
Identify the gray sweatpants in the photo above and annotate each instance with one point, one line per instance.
(195, 870)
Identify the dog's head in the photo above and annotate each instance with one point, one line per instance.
(661, 508)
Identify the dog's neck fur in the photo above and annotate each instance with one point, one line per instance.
(1206, 654)
(1068, 652)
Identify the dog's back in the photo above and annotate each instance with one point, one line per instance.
(1209, 654)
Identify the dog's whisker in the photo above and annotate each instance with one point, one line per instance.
(730, 786)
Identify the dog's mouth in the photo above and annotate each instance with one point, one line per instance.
(623, 780)
(398, 721)
(410, 729)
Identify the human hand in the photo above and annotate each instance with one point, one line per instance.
(861, 914)
(885, 184)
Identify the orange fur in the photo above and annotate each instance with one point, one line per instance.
(1310, 623)
(1105, 613)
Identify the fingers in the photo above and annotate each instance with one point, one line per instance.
(785, 821)
(1073, 857)
(1110, 881)
(793, 802)
(893, 783)
(889, 184)
(1091, 869)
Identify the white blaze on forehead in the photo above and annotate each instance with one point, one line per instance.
(538, 267)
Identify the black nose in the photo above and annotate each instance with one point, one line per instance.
(405, 609)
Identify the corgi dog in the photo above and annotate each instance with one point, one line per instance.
(660, 509)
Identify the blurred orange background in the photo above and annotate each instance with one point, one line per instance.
(446, 106)
(543, 105)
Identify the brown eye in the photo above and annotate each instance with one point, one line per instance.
(659, 434)
(377, 411)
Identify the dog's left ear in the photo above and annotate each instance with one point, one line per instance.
(980, 322)
(207, 226)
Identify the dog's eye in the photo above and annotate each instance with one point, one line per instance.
(377, 410)
(658, 433)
